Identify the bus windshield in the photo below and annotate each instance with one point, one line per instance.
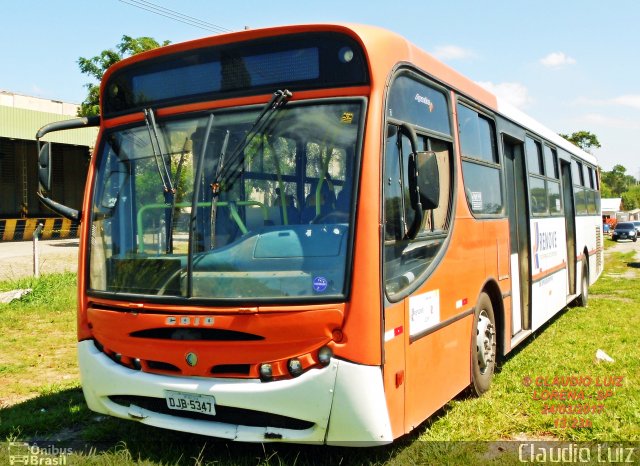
(216, 206)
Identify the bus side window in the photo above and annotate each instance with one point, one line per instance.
(407, 260)
(439, 221)
(394, 229)
(481, 167)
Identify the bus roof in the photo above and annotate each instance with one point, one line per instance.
(385, 50)
(516, 115)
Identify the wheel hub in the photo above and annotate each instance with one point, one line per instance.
(485, 342)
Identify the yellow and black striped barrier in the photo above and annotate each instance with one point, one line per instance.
(19, 229)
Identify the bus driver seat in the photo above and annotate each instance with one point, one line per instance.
(327, 202)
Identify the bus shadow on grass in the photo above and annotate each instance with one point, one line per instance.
(530, 338)
(62, 419)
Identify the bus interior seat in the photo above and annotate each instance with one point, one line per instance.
(290, 204)
(226, 228)
(254, 217)
(327, 202)
(342, 201)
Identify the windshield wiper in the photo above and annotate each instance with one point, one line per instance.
(158, 153)
(164, 171)
(174, 195)
(277, 101)
(194, 205)
(215, 188)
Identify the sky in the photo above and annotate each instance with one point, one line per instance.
(571, 64)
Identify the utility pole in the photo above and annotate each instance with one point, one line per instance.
(36, 250)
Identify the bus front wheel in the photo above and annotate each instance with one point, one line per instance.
(483, 346)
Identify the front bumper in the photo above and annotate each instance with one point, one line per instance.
(342, 403)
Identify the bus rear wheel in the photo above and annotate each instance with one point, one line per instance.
(583, 298)
(483, 346)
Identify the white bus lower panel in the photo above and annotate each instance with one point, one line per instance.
(342, 403)
(549, 296)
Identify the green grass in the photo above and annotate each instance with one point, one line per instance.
(565, 347)
(41, 399)
(37, 347)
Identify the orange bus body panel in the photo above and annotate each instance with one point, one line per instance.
(301, 332)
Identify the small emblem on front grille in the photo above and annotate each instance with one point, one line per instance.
(192, 359)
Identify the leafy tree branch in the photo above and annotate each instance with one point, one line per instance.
(96, 66)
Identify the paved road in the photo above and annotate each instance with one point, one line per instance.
(16, 257)
(625, 246)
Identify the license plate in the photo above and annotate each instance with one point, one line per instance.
(204, 404)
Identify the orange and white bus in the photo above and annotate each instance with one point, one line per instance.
(315, 233)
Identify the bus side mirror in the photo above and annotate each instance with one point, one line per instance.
(44, 177)
(427, 179)
(44, 167)
(424, 180)
(44, 163)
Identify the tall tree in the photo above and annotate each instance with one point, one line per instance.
(631, 198)
(605, 189)
(585, 140)
(96, 67)
(617, 180)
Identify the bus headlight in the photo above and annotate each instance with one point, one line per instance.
(295, 367)
(266, 372)
(324, 355)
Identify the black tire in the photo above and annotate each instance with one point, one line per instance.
(583, 298)
(483, 346)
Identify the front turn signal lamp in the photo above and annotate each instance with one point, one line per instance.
(324, 355)
(266, 372)
(295, 367)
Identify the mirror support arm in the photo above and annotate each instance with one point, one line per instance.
(74, 123)
(413, 230)
(67, 212)
(408, 131)
(44, 163)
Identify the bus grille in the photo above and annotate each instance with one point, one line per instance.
(225, 414)
(192, 334)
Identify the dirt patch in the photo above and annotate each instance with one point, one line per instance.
(624, 246)
(633, 268)
(7, 401)
(16, 258)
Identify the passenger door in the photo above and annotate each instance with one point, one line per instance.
(570, 223)
(418, 114)
(407, 263)
(517, 204)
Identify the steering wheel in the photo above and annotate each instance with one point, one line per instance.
(336, 216)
